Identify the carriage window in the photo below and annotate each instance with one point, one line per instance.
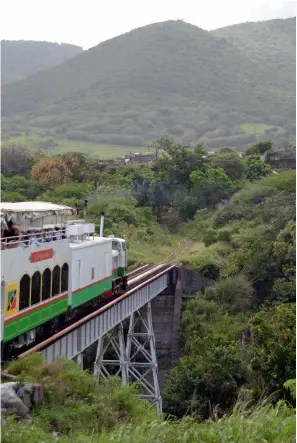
(46, 284)
(25, 292)
(35, 289)
(64, 278)
(56, 288)
(92, 273)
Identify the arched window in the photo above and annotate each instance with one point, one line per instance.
(36, 288)
(24, 292)
(56, 286)
(46, 284)
(64, 278)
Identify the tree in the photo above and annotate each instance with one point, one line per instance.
(251, 150)
(51, 171)
(233, 294)
(258, 148)
(256, 168)
(284, 288)
(184, 202)
(211, 370)
(159, 145)
(68, 190)
(231, 163)
(177, 162)
(263, 146)
(273, 332)
(19, 184)
(210, 186)
(226, 150)
(14, 159)
(77, 164)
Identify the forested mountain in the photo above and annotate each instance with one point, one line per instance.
(20, 59)
(272, 43)
(166, 79)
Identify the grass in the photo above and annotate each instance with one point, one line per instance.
(81, 410)
(96, 150)
(254, 128)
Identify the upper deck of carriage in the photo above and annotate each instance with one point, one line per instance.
(76, 234)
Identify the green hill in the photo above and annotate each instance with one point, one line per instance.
(166, 79)
(20, 59)
(272, 43)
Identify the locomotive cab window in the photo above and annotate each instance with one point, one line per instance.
(36, 288)
(64, 278)
(116, 246)
(25, 292)
(46, 284)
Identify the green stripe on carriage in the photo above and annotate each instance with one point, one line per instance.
(35, 318)
(92, 291)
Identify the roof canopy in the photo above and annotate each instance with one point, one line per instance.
(34, 210)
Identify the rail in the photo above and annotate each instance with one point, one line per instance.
(96, 313)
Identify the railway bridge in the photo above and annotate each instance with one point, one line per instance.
(129, 331)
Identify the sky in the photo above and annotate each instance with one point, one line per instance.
(88, 22)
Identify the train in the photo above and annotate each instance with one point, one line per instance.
(54, 274)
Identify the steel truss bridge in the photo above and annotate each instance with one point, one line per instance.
(134, 359)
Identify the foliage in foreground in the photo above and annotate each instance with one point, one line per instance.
(81, 410)
(241, 330)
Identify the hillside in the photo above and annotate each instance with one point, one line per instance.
(166, 79)
(272, 43)
(20, 59)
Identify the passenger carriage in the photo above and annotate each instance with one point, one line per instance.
(46, 282)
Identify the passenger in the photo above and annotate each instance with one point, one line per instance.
(25, 241)
(35, 241)
(48, 237)
(58, 235)
(11, 234)
(3, 244)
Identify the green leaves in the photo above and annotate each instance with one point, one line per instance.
(231, 163)
(274, 334)
(256, 168)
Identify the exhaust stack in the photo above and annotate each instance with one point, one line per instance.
(85, 209)
(101, 224)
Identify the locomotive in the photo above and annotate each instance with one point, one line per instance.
(55, 274)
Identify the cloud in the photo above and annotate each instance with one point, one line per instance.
(268, 11)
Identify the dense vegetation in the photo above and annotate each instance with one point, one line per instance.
(272, 42)
(78, 409)
(170, 79)
(238, 336)
(20, 59)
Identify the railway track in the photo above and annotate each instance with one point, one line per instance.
(137, 282)
(177, 252)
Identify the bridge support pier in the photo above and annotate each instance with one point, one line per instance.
(112, 343)
(135, 362)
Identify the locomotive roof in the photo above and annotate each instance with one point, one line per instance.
(88, 243)
(34, 210)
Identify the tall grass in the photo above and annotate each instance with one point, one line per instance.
(80, 410)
